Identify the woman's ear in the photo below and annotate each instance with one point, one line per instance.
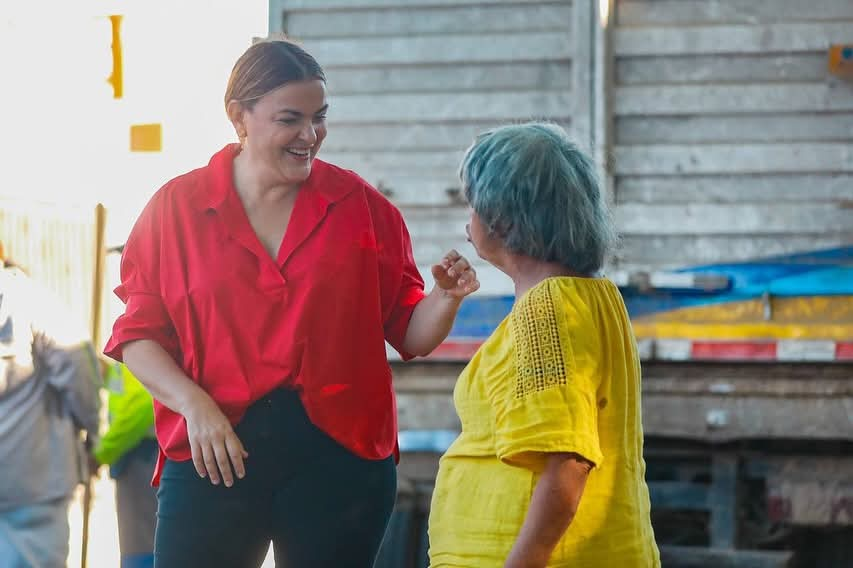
(236, 112)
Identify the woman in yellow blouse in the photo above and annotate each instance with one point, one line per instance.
(548, 469)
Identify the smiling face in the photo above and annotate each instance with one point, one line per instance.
(283, 131)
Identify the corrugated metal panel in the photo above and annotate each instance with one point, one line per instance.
(56, 246)
(730, 138)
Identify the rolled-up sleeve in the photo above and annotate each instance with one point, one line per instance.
(409, 292)
(551, 407)
(145, 315)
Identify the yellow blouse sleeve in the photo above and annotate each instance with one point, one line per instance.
(550, 408)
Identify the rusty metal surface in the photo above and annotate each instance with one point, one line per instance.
(809, 490)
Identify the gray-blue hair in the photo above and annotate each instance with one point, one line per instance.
(536, 191)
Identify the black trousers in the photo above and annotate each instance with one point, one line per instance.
(319, 504)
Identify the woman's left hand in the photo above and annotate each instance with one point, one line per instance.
(455, 275)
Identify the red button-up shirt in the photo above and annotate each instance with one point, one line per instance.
(198, 281)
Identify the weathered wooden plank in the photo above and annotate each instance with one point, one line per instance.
(675, 69)
(733, 380)
(713, 219)
(422, 191)
(733, 158)
(473, 19)
(434, 221)
(734, 188)
(458, 48)
(401, 137)
(491, 77)
(405, 136)
(686, 417)
(771, 127)
(732, 99)
(701, 557)
(686, 40)
(675, 12)
(426, 412)
(372, 166)
(642, 252)
(494, 107)
(415, 468)
(741, 385)
(326, 5)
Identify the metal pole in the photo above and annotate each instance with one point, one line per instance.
(97, 300)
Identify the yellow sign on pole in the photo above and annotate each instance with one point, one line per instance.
(146, 137)
(117, 77)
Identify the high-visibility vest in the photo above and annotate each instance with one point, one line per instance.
(131, 415)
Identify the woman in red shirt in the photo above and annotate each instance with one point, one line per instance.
(260, 290)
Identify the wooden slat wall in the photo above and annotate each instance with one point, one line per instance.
(412, 82)
(730, 139)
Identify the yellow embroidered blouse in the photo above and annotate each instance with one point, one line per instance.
(560, 374)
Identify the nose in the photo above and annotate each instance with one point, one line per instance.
(309, 133)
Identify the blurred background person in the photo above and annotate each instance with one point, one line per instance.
(48, 398)
(129, 447)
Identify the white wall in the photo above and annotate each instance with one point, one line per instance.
(67, 140)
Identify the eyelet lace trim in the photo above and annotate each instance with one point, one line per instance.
(538, 351)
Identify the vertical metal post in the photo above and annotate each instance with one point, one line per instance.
(723, 501)
(583, 57)
(97, 301)
(602, 93)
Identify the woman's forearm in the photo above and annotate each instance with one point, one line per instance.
(214, 445)
(431, 322)
(159, 373)
(433, 316)
(552, 509)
